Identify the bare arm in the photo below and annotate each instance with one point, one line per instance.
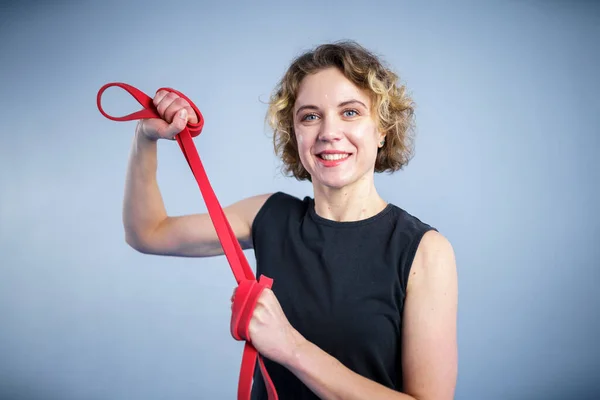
(428, 340)
(331, 380)
(148, 228)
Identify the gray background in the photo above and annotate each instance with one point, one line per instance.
(508, 124)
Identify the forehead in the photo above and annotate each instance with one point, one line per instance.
(328, 87)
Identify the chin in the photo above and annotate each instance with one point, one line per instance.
(333, 180)
(334, 174)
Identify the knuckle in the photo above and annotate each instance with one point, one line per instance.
(160, 107)
(181, 102)
(172, 97)
(265, 296)
(159, 97)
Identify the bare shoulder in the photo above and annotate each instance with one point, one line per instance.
(429, 334)
(194, 235)
(245, 210)
(434, 259)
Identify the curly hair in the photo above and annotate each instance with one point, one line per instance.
(393, 108)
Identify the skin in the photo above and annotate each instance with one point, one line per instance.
(333, 114)
(330, 114)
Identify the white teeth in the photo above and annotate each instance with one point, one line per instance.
(333, 157)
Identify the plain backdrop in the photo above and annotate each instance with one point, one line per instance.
(505, 166)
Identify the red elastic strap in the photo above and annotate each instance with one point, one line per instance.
(249, 289)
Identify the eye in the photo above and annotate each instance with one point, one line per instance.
(309, 117)
(350, 113)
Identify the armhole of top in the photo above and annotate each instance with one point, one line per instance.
(410, 258)
(260, 215)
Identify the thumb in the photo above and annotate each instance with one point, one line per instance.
(179, 122)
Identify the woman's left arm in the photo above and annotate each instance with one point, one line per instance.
(429, 339)
(429, 345)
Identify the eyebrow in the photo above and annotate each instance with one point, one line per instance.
(342, 104)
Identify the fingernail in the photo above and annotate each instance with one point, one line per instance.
(182, 114)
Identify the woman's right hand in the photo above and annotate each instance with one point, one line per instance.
(175, 112)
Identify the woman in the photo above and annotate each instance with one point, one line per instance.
(364, 299)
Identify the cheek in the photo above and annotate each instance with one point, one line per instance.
(303, 146)
(303, 140)
(365, 137)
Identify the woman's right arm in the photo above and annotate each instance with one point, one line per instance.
(148, 228)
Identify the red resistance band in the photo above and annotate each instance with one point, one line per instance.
(249, 289)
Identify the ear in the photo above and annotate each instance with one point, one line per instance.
(381, 139)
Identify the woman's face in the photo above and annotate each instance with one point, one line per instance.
(337, 136)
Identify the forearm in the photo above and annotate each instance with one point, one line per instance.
(143, 207)
(331, 380)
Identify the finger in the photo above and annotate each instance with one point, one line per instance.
(192, 117)
(176, 126)
(233, 298)
(159, 96)
(174, 107)
(164, 104)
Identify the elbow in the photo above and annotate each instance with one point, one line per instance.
(148, 240)
(432, 393)
(431, 397)
(136, 242)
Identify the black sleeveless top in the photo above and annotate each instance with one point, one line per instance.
(341, 285)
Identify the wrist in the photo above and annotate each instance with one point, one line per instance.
(141, 136)
(298, 347)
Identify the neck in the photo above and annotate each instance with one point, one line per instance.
(353, 203)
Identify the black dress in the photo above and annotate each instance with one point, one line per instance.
(341, 285)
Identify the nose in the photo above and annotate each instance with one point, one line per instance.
(331, 129)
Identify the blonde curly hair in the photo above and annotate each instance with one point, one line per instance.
(393, 108)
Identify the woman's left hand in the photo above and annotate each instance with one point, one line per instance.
(270, 331)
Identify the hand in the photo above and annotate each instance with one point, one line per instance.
(270, 331)
(175, 112)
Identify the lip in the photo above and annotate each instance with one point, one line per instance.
(332, 163)
(333, 152)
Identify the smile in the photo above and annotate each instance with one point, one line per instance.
(334, 157)
(330, 159)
